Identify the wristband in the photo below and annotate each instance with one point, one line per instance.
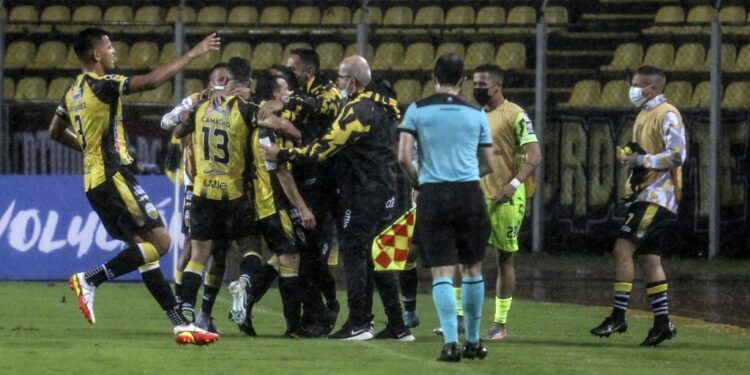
(515, 183)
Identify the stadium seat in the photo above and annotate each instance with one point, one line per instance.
(161, 94)
(689, 57)
(212, 15)
(292, 46)
(31, 88)
(352, 50)
(149, 14)
(511, 56)
(388, 56)
(418, 56)
(58, 87)
(660, 55)
(628, 56)
(242, 15)
(55, 13)
(670, 14)
(19, 53)
(71, 59)
(521, 15)
(450, 47)
(429, 16)
(236, 49)
(428, 88)
(408, 91)
(9, 88)
(330, 54)
(339, 15)
(701, 94)
(49, 54)
(83, 16)
(188, 14)
(205, 61)
(305, 15)
(556, 15)
(728, 58)
(274, 15)
(615, 94)
(143, 55)
(460, 16)
(478, 54)
(732, 14)
(167, 53)
(22, 14)
(192, 86)
(118, 13)
(374, 16)
(737, 96)
(266, 54)
(398, 16)
(701, 14)
(467, 91)
(490, 15)
(585, 94)
(742, 63)
(679, 93)
(122, 51)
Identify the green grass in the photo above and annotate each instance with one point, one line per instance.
(43, 332)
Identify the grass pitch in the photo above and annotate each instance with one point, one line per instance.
(42, 332)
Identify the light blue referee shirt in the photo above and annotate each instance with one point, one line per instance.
(449, 131)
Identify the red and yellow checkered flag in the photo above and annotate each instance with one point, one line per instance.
(391, 247)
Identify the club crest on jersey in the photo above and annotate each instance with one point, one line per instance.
(151, 211)
(77, 93)
(219, 110)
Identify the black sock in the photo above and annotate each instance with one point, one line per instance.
(407, 280)
(191, 282)
(125, 262)
(263, 282)
(327, 284)
(98, 275)
(159, 288)
(209, 298)
(289, 290)
(251, 265)
(177, 290)
(657, 294)
(176, 317)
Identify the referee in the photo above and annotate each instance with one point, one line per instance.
(454, 151)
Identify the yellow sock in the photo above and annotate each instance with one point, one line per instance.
(459, 306)
(195, 267)
(502, 306)
(178, 277)
(149, 252)
(212, 280)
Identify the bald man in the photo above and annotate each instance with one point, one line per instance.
(654, 159)
(361, 138)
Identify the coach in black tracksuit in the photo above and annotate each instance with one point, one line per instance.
(362, 140)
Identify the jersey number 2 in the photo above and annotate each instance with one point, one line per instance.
(221, 140)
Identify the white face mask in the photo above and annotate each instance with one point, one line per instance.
(636, 96)
(344, 93)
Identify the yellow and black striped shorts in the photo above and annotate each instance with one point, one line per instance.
(648, 226)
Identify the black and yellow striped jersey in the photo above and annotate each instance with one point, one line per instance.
(268, 194)
(322, 104)
(93, 106)
(221, 150)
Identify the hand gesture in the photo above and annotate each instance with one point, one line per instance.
(208, 44)
(269, 152)
(506, 194)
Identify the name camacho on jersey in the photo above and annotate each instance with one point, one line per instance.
(221, 151)
(510, 129)
(94, 108)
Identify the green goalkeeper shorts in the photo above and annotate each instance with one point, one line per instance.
(505, 220)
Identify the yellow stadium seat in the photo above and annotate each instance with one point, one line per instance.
(467, 91)
(192, 86)
(418, 56)
(18, 54)
(628, 56)
(701, 94)
(9, 88)
(266, 54)
(83, 16)
(212, 15)
(732, 14)
(388, 56)
(305, 15)
(188, 14)
(743, 60)
(660, 55)
(679, 93)
(478, 54)
(204, 61)
(352, 50)
(490, 15)
(31, 88)
(143, 55)
(71, 59)
(460, 15)
(148, 14)
(58, 87)
(236, 49)
(521, 15)
(585, 94)
(122, 51)
(615, 94)
(728, 58)
(690, 56)
(428, 88)
(274, 15)
(167, 53)
(374, 16)
(408, 91)
(737, 96)
(336, 16)
(451, 47)
(429, 15)
(118, 13)
(670, 14)
(701, 14)
(511, 56)
(243, 15)
(292, 46)
(330, 54)
(398, 16)
(49, 54)
(161, 94)
(55, 13)
(556, 15)
(23, 13)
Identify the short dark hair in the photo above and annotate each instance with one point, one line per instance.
(220, 65)
(266, 86)
(650, 70)
(449, 69)
(288, 76)
(86, 41)
(309, 57)
(239, 69)
(491, 69)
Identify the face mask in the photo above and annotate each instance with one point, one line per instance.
(482, 96)
(344, 93)
(636, 96)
